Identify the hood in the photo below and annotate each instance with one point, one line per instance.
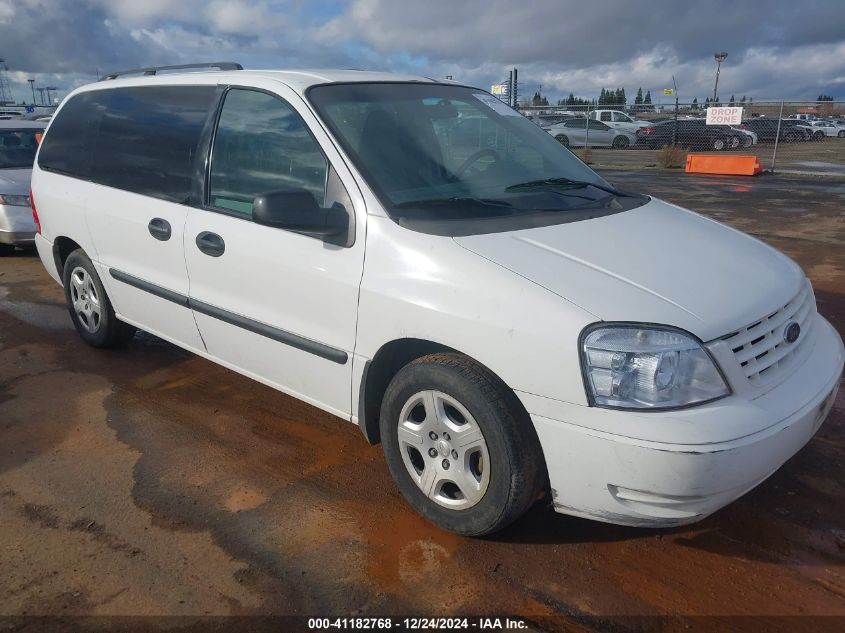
(654, 264)
(15, 181)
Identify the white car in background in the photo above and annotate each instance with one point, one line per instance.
(829, 128)
(750, 136)
(577, 133)
(618, 120)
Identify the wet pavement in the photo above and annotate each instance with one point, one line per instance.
(147, 481)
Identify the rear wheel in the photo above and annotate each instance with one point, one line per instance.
(747, 141)
(562, 139)
(89, 306)
(7, 249)
(734, 141)
(718, 144)
(818, 136)
(461, 449)
(621, 142)
(841, 134)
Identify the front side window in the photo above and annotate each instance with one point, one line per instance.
(18, 147)
(262, 145)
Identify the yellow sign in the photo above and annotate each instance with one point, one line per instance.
(667, 91)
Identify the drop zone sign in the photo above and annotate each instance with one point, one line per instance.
(724, 116)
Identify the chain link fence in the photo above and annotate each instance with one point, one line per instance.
(786, 136)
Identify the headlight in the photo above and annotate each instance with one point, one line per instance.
(648, 367)
(15, 201)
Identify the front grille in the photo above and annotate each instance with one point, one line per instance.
(760, 348)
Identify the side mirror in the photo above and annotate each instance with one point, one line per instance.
(297, 210)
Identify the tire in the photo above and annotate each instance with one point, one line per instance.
(89, 306)
(747, 141)
(734, 142)
(818, 136)
(562, 139)
(7, 250)
(718, 144)
(429, 403)
(841, 134)
(620, 142)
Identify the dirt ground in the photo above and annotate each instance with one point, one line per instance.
(147, 481)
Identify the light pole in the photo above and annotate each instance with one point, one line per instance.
(32, 85)
(720, 57)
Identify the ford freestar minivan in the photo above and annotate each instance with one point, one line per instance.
(418, 258)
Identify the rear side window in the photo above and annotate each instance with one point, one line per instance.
(68, 146)
(148, 139)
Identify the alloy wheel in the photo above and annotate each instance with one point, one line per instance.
(85, 299)
(444, 450)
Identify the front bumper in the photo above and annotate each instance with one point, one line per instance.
(617, 479)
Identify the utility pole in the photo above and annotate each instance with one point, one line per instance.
(675, 131)
(32, 86)
(720, 57)
(48, 89)
(40, 95)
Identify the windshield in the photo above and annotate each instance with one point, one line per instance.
(434, 152)
(18, 147)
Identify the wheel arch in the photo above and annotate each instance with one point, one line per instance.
(62, 248)
(387, 361)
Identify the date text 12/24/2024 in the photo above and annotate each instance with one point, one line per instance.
(417, 624)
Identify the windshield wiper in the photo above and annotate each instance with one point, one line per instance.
(453, 201)
(562, 182)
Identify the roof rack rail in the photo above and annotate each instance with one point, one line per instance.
(152, 70)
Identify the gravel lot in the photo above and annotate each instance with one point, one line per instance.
(147, 481)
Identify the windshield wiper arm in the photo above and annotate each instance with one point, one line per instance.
(562, 182)
(441, 202)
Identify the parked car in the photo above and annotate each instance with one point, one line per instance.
(18, 144)
(750, 136)
(618, 120)
(803, 128)
(690, 133)
(829, 128)
(767, 130)
(519, 327)
(578, 132)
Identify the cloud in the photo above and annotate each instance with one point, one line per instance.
(783, 49)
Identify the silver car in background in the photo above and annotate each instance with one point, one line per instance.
(574, 133)
(18, 144)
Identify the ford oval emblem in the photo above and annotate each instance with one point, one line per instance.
(791, 332)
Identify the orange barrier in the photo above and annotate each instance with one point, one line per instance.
(723, 164)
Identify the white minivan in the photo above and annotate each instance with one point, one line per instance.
(418, 258)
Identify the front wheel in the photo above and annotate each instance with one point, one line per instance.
(841, 134)
(562, 139)
(718, 144)
(460, 447)
(89, 306)
(747, 141)
(621, 142)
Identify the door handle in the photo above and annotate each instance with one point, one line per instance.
(211, 244)
(159, 229)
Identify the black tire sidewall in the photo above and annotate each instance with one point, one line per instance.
(498, 507)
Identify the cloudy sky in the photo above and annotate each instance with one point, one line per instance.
(777, 49)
